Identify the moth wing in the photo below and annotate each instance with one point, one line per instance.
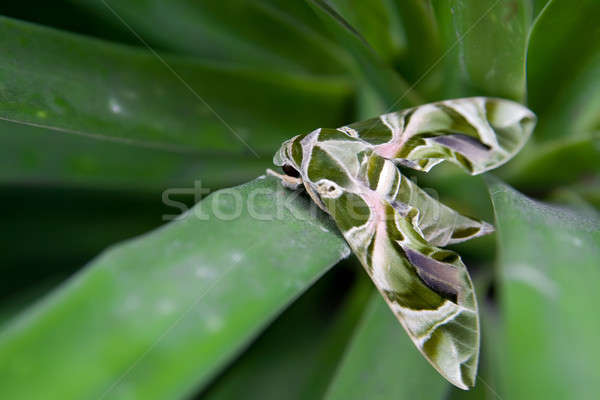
(438, 224)
(476, 133)
(428, 289)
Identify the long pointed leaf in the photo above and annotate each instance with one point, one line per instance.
(549, 278)
(269, 34)
(382, 363)
(423, 44)
(566, 97)
(530, 169)
(156, 317)
(37, 156)
(82, 86)
(377, 23)
(393, 91)
(485, 44)
(296, 357)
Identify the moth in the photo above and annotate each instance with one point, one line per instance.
(395, 228)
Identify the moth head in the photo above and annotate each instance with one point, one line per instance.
(289, 157)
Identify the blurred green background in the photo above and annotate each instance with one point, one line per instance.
(105, 105)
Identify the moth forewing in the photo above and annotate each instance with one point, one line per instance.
(432, 299)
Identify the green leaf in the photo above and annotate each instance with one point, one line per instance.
(65, 160)
(588, 189)
(270, 34)
(565, 98)
(538, 6)
(530, 169)
(296, 356)
(24, 298)
(549, 276)
(377, 22)
(423, 44)
(485, 43)
(87, 87)
(569, 197)
(382, 362)
(563, 69)
(158, 316)
(368, 65)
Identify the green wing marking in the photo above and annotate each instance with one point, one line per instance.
(437, 224)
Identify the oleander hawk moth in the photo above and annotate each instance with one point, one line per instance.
(396, 229)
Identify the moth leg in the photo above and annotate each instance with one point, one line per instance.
(315, 197)
(287, 181)
(293, 183)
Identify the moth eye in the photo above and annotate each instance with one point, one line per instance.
(329, 189)
(290, 171)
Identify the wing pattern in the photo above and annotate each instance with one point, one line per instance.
(476, 133)
(395, 228)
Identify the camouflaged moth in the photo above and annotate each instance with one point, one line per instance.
(395, 228)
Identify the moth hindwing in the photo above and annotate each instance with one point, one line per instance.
(395, 228)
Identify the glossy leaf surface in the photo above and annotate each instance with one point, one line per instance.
(159, 315)
(549, 274)
(566, 97)
(382, 363)
(75, 85)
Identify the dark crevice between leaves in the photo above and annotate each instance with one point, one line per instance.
(55, 231)
(65, 15)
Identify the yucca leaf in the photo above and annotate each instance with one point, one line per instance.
(393, 91)
(566, 97)
(531, 170)
(423, 42)
(76, 85)
(377, 22)
(290, 37)
(298, 354)
(158, 316)
(549, 274)
(382, 363)
(33, 156)
(484, 46)
(587, 189)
